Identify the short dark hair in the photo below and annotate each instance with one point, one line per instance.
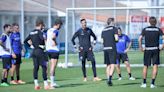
(39, 22)
(110, 20)
(82, 20)
(57, 21)
(6, 26)
(152, 20)
(119, 28)
(15, 24)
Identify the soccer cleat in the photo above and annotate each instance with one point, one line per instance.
(55, 85)
(48, 87)
(119, 78)
(37, 87)
(109, 83)
(4, 84)
(96, 79)
(14, 82)
(132, 78)
(152, 86)
(85, 79)
(143, 85)
(48, 80)
(21, 82)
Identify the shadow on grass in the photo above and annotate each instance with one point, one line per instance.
(71, 85)
(130, 84)
(160, 86)
(29, 82)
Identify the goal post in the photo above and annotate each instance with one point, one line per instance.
(129, 20)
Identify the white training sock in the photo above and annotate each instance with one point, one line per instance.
(36, 82)
(52, 80)
(45, 83)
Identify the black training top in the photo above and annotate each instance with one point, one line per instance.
(84, 37)
(108, 37)
(152, 35)
(36, 36)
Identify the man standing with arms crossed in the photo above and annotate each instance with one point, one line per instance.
(151, 50)
(110, 37)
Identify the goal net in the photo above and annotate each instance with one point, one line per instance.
(130, 19)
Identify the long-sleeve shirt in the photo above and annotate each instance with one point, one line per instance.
(36, 36)
(84, 37)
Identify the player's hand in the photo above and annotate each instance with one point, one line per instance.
(126, 50)
(90, 48)
(161, 47)
(75, 48)
(80, 49)
(31, 46)
(142, 49)
(94, 42)
(14, 56)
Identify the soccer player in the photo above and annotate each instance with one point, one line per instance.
(17, 49)
(6, 53)
(85, 48)
(40, 58)
(52, 49)
(151, 50)
(110, 37)
(122, 50)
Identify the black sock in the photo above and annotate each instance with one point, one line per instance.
(130, 75)
(110, 78)
(153, 81)
(5, 80)
(119, 75)
(2, 80)
(12, 78)
(18, 77)
(144, 81)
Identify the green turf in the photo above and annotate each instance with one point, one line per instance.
(71, 81)
(135, 57)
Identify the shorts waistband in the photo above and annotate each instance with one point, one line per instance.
(108, 48)
(151, 48)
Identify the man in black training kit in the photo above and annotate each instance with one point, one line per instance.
(151, 50)
(39, 56)
(110, 37)
(85, 48)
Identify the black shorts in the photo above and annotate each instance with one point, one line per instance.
(17, 60)
(109, 57)
(53, 55)
(39, 55)
(122, 57)
(6, 61)
(86, 54)
(151, 57)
